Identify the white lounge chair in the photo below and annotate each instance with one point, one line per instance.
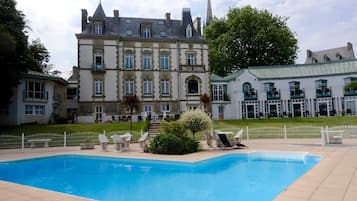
(126, 139)
(103, 141)
(118, 142)
(143, 139)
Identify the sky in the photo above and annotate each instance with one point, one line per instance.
(317, 25)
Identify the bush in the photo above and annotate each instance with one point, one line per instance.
(174, 127)
(171, 144)
(196, 120)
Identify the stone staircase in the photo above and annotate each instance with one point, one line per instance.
(154, 128)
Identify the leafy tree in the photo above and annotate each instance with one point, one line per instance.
(132, 102)
(13, 48)
(249, 37)
(352, 86)
(38, 57)
(196, 120)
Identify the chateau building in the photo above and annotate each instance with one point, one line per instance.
(164, 62)
(301, 90)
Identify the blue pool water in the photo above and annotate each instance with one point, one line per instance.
(248, 177)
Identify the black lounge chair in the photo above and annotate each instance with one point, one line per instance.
(228, 143)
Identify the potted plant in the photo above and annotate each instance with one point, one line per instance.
(87, 144)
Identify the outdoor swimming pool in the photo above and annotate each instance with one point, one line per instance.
(257, 176)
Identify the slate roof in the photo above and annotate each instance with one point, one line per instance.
(333, 54)
(295, 71)
(130, 27)
(42, 76)
(304, 70)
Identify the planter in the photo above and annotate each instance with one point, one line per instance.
(85, 146)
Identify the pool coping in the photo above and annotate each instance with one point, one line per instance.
(333, 178)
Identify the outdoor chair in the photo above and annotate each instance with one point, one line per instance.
(331, 136)
(118, 142)
(126, 140)
(238, 138)
(103, 141)
(143, 139)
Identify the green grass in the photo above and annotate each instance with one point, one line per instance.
(258, 129)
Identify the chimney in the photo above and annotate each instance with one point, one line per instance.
(349, 46)
(84, 19)
(116, 14)
(168, 18)
(197, 25)
(309, 53)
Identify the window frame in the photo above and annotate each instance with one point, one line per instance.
(164, 62)
(147, 61)
(190, 59)
(128, 61)
(189, 83)
(147, 87)
(98, 88)
(129, 88)
(165, 87)
(146, 32)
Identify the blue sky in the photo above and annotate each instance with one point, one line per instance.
(318, 25)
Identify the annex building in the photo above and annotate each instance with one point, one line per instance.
(316, 88)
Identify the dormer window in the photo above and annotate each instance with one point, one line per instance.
(98, 29)
(146, 32)
(338, 55)
(314, 60)
(188, 31)
(326, 58)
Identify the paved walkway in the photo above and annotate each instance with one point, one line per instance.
(333, 179)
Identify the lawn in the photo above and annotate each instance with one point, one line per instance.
(259, 128)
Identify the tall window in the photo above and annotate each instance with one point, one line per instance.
(147, 61)
(98, 87)
(129, 87)
(71, 93)
(98, 61)
(34, 109)
(35, 90)
(190, 59)
(146, 32)
(129, 61)
(188, 31)
(165, 108)
(217, 92)
(192, 86)
(268, 86)
(98, 29)
(98, 113)
(147, 88)
(164, 62)
(165, 88)
(321, 84)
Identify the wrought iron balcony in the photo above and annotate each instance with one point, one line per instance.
(251, 95)
(98, 68)
(297, 94)
(323, 92)
(350, 92)
(273, 95)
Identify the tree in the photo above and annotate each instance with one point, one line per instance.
(13, 48)
(249, 37)
(38, 57)
(196, 120)
(205, 99)
(132, 102)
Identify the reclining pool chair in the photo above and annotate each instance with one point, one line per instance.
(103, 141)
(238, 138)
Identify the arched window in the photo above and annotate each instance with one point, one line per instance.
(247, 87)
(192, 86)
(188, 31)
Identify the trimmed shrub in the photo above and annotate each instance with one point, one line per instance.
(167, 144)
(196, 120)
(174, 127)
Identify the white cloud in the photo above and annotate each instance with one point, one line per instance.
(318, 24)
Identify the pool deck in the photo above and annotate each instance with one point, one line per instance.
(333, 179)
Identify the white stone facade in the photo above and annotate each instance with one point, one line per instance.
(314, 90)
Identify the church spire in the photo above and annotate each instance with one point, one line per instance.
(209, 16)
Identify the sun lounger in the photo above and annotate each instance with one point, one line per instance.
(103, 141)
(223, 141)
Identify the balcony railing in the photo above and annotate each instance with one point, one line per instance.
(273, 95)
(350, 93)
(252, 95)
(35, 96)
(297, 94)
(98, 68)
(323, 93)
(192, 68)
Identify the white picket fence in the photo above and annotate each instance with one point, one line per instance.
(23, 140)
